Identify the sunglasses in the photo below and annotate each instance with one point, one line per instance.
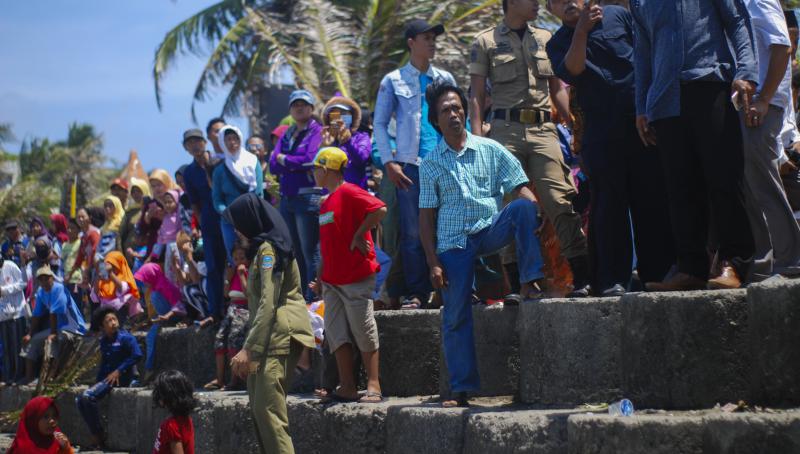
(255, 146)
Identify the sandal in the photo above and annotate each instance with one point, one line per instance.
(371, 397)
(458, 400)
(333, 397)
(213, 385)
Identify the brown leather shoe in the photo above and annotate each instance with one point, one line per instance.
(727, 279)
(678, 282)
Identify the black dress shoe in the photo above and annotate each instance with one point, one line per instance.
(581, 292)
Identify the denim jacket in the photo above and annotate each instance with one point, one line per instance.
(400, 95)
(680, 41)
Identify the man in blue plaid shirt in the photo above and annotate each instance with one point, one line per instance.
(462, 183)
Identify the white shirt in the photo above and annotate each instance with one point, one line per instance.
(12, 293)
(769, 28)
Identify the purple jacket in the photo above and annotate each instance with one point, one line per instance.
(358, 149)
(295, 173)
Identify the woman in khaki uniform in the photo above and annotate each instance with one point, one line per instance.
(279, 322)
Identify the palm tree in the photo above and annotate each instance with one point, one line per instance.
(330, 46)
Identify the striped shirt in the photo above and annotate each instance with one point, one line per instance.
(467, 187)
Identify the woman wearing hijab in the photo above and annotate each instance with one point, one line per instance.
(109, 233)
(127, 229)
(38, 229)
(342, 117)
(38, 432)
(116, 288)
(59, 222)
(279, 324)
(241, 174)
(150, 223)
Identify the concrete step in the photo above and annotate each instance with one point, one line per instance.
(419, 425)
(680, 350)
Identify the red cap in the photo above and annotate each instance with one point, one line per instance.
(120, 182)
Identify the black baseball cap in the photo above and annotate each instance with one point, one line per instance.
(417, 26)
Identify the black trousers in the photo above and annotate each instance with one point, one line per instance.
(703, 160)
(627, 184)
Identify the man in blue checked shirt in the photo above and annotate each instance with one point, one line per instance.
(462, 182)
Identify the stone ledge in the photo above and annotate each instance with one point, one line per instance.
(414, 424)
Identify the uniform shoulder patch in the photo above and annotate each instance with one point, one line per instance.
(267, 262)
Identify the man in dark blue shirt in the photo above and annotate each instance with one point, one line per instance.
(689, 56)
(119, 352)
(593, 52)
(198, 188)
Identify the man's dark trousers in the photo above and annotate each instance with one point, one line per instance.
(703, 159)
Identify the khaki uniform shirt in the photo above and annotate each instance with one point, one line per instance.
(278, 311)
(518, 70)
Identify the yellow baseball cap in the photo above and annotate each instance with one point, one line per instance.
(332, 158)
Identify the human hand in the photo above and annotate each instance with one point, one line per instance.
(25, 339)
(395, 173)
(438, 278)
(745, 90)
(51, 337)
(315, 287)
(754, 117)
(241, 269)
(62, 439)
(113, 378)
(360, 243)
(588, 18)
(646, 133)
(240, 364)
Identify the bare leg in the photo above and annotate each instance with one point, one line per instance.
(371, 362)
(304, 363)
(29, 367)
(344, 363)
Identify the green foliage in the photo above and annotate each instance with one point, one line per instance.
(340, 45)
(48, 170)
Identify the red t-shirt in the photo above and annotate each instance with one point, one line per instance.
(175, 428)
(339, 218)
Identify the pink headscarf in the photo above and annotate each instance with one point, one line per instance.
(152, 275)
(171, 224)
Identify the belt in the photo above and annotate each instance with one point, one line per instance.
(528, 116)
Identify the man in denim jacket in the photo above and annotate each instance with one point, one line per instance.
(402, 94)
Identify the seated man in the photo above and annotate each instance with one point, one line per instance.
(119, 353)
(54, 304)
(462, 183)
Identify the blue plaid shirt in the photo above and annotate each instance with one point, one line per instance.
(467, 187)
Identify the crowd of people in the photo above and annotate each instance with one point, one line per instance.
(654, 144)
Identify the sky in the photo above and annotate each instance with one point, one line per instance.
(90, 61)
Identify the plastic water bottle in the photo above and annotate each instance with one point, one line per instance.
(623, 407)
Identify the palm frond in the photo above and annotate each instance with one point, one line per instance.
(207, 26)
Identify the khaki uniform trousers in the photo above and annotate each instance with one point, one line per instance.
(538, 150)
(267, 390)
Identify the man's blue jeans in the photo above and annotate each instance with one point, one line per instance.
(415, 267)
(301, 213)
(87, 405)
(162, 306)
(517, 221)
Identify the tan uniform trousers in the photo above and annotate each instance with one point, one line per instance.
(267, 390)
(538, 150)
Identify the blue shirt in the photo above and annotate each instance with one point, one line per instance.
(225, 189)
(428, 136)
(199, 192)
(605, 87)
(687, 40)
(120, 353)
(59, 302)
(467, 187)
(400, 96)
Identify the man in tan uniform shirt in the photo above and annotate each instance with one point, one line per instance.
(512, 56)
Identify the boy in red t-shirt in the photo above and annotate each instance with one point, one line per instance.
(349, 269)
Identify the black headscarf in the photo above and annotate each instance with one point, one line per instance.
(259, 221)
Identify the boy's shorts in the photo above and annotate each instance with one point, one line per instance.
(233, 330)
(349, 315)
